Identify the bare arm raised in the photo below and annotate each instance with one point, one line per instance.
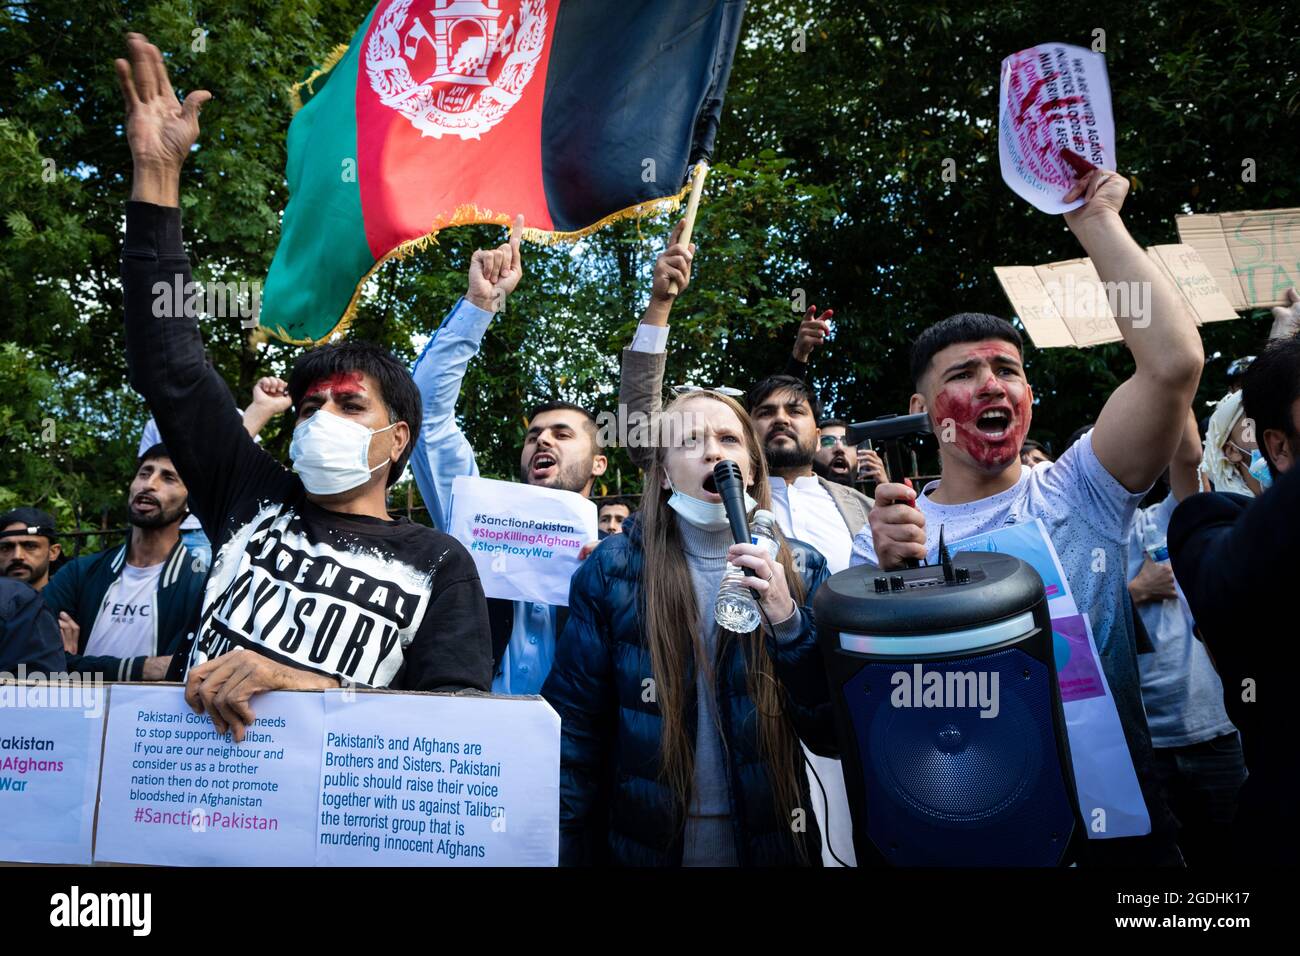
(1141, 423)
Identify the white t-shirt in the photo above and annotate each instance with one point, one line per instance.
(806, 512)
(124, 626)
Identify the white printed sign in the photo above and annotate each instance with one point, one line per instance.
(327, 779)
(1104, 776)
(175, 793)
(50, 736)
(415, 780)
(1054, 122)
(524, 539)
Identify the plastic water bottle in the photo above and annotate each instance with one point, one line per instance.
(764, 533)
(1154, 542)
(737, 608)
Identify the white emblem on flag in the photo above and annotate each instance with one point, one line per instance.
(474, 66)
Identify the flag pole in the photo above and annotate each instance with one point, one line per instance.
(692, 206)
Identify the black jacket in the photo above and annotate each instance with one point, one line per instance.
(29, 634)
(614, 806)
(1236, 559)
(79, 589)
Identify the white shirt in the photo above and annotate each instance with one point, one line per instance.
(124, 626)
(806, 511)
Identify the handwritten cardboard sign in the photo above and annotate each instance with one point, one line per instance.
(1253, 256)
(1065, 304)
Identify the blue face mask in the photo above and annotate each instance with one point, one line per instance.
(1259, 470)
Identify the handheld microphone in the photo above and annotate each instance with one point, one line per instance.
(731, 486)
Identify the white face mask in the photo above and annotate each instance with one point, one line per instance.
(332, 454)
(705, 515)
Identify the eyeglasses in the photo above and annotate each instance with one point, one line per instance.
(830, 441)
(720, 389)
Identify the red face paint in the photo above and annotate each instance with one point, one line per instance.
(963, 400)
(338, 383)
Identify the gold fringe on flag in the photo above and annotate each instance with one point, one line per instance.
(471, 215)
(330, 61)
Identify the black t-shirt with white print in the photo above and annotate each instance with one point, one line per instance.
(372, 602)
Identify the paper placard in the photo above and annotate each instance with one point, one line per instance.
(174, 793)
(50, 735)
(1104, 777)
(339, 778)
(1053, 97)
(524, 539)
(1066, 303)
(439, 781)
(1254, 256)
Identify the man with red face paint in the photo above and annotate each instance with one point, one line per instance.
(969, 375)
(312, 585)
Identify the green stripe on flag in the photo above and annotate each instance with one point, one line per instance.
(323, 255)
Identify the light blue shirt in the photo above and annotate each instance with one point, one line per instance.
(1180, 688)
(442, 452)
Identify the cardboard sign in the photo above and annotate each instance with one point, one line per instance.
(1066, 303)
(1253, 256)
(1054, 121)
(524, 539)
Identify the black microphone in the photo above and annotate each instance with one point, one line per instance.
(731, 486)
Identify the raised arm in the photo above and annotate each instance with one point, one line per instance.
(812, 332)
(193, 409)
(641, 380)
(270, 398)
(442, 452)
(1185, 469)
(1141, 423)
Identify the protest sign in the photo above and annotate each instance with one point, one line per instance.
(1253, 256)
(1066, 303)
(341, 778)
(1104, 777)
(1054, 121)
(424, 780)
(176, 793)
(524, 539)
(50, 735)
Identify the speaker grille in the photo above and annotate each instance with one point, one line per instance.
(945, 785)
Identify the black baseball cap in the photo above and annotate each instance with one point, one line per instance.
(35, 521)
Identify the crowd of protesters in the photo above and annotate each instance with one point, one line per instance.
(241, 576)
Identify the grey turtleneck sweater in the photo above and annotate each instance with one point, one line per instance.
(709, 837)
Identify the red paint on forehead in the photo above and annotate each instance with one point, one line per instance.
(338, 382)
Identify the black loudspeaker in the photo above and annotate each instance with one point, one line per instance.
(949, 714)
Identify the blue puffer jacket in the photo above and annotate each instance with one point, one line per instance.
(614, 807)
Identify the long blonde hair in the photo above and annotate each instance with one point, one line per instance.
(672, 629)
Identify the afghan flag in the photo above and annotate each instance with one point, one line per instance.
(447, 112)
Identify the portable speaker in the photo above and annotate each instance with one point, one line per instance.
(949, 714)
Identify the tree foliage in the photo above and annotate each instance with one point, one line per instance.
(828, 183)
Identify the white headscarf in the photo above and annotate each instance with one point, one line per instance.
(1214, 463)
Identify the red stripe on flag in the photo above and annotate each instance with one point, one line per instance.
(449, 115)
